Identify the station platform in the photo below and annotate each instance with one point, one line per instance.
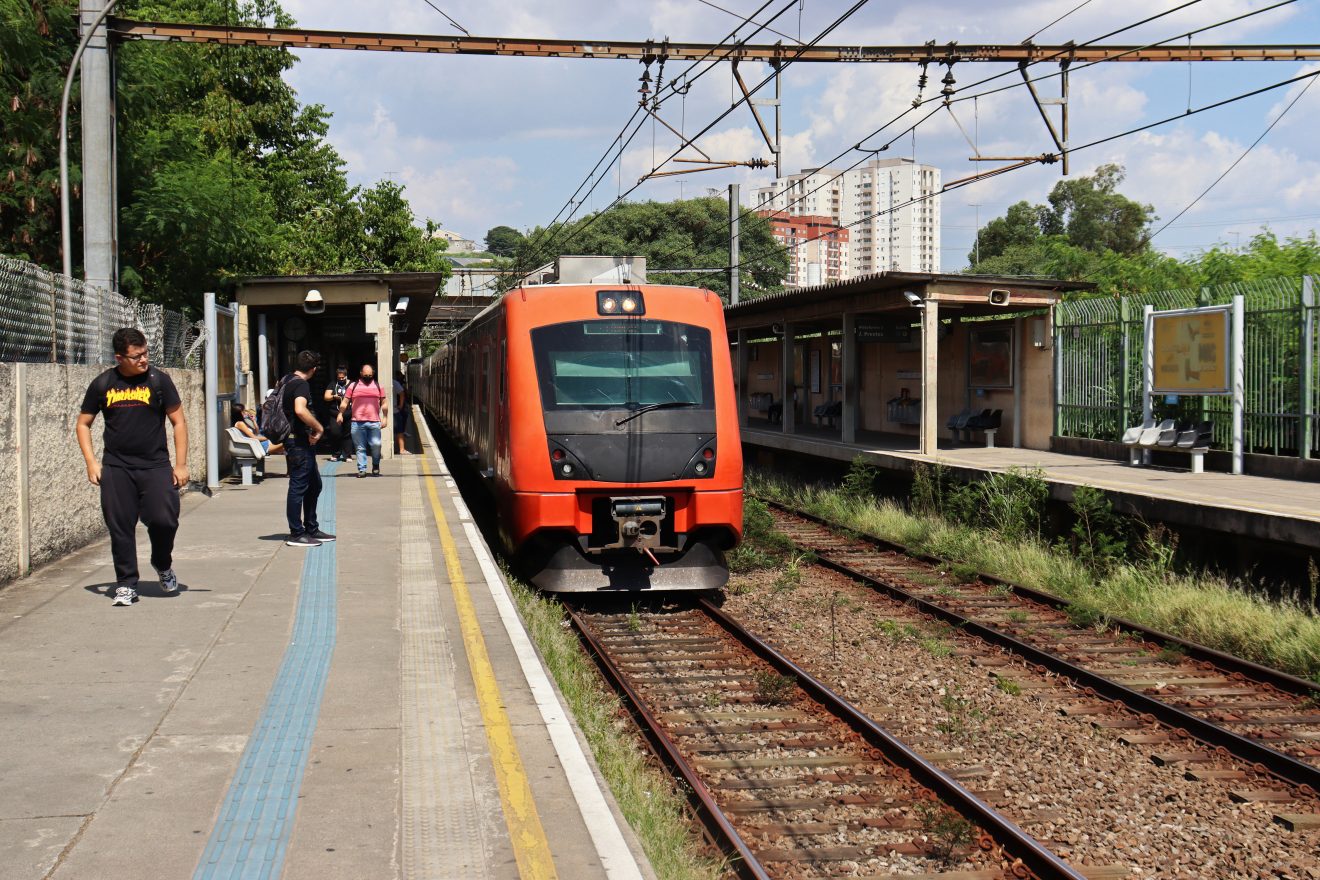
(1260, 508)
(369, 708)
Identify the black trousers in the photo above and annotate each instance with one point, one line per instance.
(129, 495)
(304, 487)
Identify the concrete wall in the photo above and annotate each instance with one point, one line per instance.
(48, 478)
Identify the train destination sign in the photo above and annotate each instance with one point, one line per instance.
(1191, 351)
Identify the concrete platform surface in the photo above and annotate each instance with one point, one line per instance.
(370, 708)
(1265, 508)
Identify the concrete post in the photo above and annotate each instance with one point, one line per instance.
(849, 354)
(930, 378)
(789, 421)
(742, 378)
(263, 368)
(21, 463)
(100, 238)
(1238, 335)
(1058, 376)
(1017, 383)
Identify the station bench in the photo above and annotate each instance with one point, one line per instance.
(247, 455)
(1191, 438)
(987, 421)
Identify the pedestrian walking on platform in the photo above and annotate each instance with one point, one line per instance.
(134, 474)
(300, 450)
(334, 396)
(369, 415)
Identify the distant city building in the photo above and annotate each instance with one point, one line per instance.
(457, 243)
(817, 248)
(889, 207)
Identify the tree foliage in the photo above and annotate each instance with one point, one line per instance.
(37, 37)
(685, 234)
(503, 241)
(222, 171)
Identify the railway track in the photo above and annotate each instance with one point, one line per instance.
(1228, 706)
(791, 780)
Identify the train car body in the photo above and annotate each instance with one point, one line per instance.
(603, 420)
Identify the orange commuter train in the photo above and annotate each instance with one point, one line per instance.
(602, 418)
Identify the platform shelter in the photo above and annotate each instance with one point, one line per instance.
(894, 356)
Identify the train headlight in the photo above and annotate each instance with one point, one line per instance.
(620, 302)
(566, 469)
(700, 468)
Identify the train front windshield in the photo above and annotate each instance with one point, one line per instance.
(623, 364)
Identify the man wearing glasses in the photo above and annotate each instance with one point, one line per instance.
(135, 476)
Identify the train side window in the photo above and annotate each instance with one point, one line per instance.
(484, 391)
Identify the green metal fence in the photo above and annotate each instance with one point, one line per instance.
(1098, 363)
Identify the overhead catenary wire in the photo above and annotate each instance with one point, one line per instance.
(1046, 157)
(824, 33)
(868, 153)
(447, 18)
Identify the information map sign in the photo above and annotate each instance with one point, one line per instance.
(1191, 351)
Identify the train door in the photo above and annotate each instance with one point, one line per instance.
(502, 406)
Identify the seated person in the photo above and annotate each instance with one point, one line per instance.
(246, 422)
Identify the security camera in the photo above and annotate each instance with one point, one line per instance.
(313, 302)
(777, 329)
(913, 300)
(999, 297)
(401, 306)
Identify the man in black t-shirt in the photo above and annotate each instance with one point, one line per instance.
(299, 450)
(135, 476)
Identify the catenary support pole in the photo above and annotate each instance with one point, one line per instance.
(734, 210)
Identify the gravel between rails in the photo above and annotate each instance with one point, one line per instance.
(1094, 800)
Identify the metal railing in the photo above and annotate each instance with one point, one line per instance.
(46, 317)
(1099, 360)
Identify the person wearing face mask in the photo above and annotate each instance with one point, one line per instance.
(369, 413)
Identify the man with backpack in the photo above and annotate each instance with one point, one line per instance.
(293, 413)
(135, 476)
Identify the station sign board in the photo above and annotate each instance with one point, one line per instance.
(1190, 351)
(884, 331)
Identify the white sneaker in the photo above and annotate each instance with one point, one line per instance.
(169, 582)
(124, 596)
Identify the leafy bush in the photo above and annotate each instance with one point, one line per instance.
(1097, 536)
(859, 482)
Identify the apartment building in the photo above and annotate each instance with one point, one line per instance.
(817, 248)
(889, 208)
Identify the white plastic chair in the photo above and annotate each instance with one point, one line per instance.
(247, 453)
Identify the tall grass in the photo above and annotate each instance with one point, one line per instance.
(1201, 608)
(645, 794)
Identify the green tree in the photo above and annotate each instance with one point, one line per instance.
(503, 241)
(1019, 227)
(391, 241)
(1092, 214)
(37, 39)
(686, 234)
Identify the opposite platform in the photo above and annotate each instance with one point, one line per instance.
(367, 708)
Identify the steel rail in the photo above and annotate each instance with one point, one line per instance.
(1031, 858)
(718, 827)
(1286, 768)
(1227, 662)
(644, 50)
(1026, 849)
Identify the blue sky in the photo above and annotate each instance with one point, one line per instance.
(480, 142)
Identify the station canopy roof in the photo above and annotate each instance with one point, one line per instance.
(419, 288)
(964, 295)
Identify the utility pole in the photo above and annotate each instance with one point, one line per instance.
(100, 232)
(734, 210)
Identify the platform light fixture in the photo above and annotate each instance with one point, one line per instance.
(313, 302)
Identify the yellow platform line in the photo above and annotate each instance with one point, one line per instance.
(530, 846)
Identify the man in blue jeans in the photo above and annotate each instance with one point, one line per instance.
(299, 451)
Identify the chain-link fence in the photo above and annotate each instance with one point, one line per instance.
(46, 317)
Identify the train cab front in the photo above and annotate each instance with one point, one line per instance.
(642, 465)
